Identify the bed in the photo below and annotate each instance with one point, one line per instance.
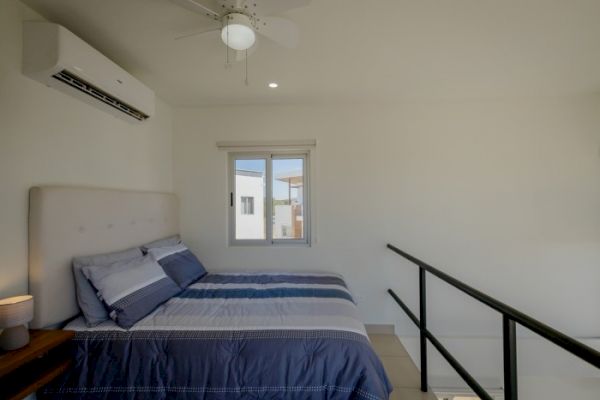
(227, 336)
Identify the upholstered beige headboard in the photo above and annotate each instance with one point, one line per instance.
(65, 222)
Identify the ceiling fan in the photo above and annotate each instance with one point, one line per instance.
(239, 21)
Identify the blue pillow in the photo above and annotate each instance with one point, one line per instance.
(179, 263)
(131, 290)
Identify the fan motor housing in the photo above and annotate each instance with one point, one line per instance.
(238, 32)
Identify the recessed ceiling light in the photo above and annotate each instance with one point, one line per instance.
(273, 85)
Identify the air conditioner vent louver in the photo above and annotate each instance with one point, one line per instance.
(74, 81)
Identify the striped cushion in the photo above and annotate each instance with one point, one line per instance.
(93, 310)
(179, 263)
(131, 290)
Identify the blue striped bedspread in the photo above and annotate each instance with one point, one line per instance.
(233, 336)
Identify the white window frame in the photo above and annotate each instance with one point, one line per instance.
(268, 156)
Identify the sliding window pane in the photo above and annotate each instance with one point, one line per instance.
(288, 198)
(250, 196)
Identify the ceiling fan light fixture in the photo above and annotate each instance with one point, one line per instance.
(237, 31)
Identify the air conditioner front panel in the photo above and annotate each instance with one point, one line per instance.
(50, 51)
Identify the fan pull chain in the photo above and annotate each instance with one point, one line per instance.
(227, 45)
(246, 56)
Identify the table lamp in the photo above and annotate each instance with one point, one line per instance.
(15, 312)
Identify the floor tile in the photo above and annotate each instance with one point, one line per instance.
(388, 345)
(411, 394)
(401, 371)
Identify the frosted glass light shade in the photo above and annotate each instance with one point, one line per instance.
(237, 32)
(15, 311)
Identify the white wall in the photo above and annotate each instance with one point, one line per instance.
(47, 137)
(504, 195)
(250, 226)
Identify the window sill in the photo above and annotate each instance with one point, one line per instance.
(269, 245)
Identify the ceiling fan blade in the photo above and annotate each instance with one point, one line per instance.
(198, 33)
(272, 7)
(280, 30)
(205, 7)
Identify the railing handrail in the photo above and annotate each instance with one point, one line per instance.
(510, 317)
(566, 342)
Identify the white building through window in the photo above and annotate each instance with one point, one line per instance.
(268, 198)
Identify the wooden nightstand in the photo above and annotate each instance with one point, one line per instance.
(25, 370)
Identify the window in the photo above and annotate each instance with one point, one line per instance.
(268, 198)
(247, 205)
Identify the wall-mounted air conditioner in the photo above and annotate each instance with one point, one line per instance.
(57, 58)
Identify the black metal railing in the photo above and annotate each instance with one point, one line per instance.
(510, 317)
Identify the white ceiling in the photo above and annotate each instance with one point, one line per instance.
(355, 50)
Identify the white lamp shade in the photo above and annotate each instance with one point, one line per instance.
(15, 311)
(237, 32)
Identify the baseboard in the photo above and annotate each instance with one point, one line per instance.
(380, 329)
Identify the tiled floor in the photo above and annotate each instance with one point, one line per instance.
(400, 369)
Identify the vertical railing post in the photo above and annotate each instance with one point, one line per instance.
(423, 328)
(509, 344)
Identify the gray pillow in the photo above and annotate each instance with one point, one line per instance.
(166, 242)
(92, 308)
(133, 289)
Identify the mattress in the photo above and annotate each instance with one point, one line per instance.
(233, 336)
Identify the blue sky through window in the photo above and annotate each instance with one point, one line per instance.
(251, 165)
(280, 189)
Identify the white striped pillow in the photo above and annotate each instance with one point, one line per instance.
(131, 290)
